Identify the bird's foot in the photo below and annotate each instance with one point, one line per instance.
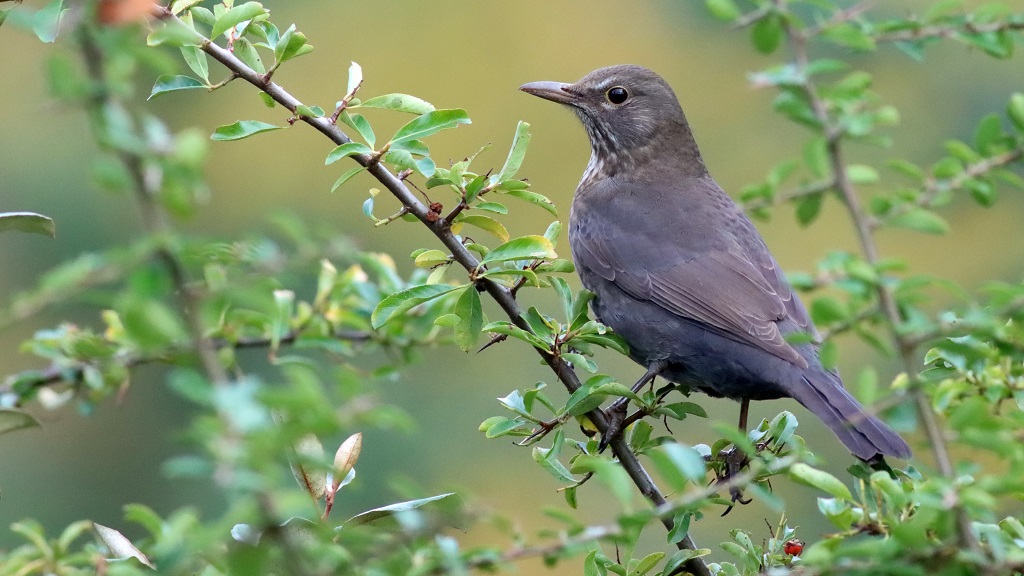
(734, 461)
(615, 415)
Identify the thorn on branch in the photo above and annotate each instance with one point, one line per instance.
(494, 340)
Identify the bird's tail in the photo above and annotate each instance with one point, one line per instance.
(863, 434)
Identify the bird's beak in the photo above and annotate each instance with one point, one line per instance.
(554, 91)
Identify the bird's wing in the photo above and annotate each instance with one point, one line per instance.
(720, 288)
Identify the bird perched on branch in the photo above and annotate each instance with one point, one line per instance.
(681, 273)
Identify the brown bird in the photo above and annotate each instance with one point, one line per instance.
(680, 272)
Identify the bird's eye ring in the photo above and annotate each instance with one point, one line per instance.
(617, 95)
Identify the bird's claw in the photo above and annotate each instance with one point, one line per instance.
(735, 460)
(615, 415)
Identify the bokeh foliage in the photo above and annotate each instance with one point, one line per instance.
(320, 308)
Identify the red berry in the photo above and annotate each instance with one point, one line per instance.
(793, 547)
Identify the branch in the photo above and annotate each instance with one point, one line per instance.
(58, 374)
(811, 189)
(950, 31)
(934, 187)
(501, 295)
(833, 137)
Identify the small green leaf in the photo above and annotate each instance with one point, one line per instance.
(725, 10)
(485, 223)
(495, 207)
(533, 198)
(516, 153)
(400, 302)
(524, 248)
(175, 33)
(808, 208)
(27, 222)
(196, 60)
(430, 123)
(862, 174)
(921, 220)
(686, 460)
(171, 83)
(468, 308)
(766, 34)
(819, 479)
(236, 16)
(826, 310)
(345, 177)
(242, 129)
(247, 53)
(398, 103)
(358, 123)
(291, 44)
(1015, 110)
(346, 150)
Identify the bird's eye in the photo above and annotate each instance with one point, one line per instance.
(617, 95)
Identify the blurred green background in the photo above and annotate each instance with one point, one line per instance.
(472, 55)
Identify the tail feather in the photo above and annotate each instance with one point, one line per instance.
(863, 434)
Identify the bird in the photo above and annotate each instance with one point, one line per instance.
(681, 273)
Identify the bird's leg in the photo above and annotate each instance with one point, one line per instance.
(617, 411)
(735, 459)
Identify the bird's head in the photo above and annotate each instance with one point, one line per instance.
(627, 110)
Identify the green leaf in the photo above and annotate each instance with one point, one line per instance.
(46, 22)
(27, 222)
(686, 460)
(242, 129)
(862, 174)
(11, 419)
(346, 150)
(430, 123)
(171, 83)
(485, 223)
(174, 33)
(392, 509)
(819, 479)
(533, 198)
(247, 53)
(196, 60)
(1015, 110)
(345, 177)
(236, 16)
(358, 123)
(509, 329)
(808, 208)
(725, 10)
(468, 308)
(495, 207)
(516, 154)
(524, 248)
(766, 34)
(400, 302)
(826, 310)
(398, 103)
(988, 133)
(291, 44)
(921, 220)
